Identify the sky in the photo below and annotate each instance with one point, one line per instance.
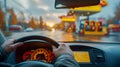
(37, 8)
(108, 11)
(45, 8)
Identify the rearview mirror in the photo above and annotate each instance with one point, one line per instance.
(74, 3)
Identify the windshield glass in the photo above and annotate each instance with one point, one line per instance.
(98, 23)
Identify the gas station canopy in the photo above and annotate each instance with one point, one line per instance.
(89, 10)
(86, 11)
(83, 11)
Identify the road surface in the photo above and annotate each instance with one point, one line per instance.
(63, 36)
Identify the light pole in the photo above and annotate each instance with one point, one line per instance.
(6, 19)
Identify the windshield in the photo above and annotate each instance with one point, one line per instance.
(98, 23)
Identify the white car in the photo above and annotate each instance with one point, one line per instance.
(28, 30)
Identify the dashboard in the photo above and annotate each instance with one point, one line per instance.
(96, 54)
(86, 54)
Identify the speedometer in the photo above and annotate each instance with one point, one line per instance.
(40, 54)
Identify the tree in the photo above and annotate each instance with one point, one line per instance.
(117, 13)
(21, 17)
(2, 22)
(116, 18)
(41, 24)
(21, 21)
(13, 17)
(32, 23)
(111, 20)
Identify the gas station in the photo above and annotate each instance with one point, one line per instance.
(91, 27)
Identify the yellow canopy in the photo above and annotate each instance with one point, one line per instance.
(96, 8)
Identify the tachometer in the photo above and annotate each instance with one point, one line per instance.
(27, 55)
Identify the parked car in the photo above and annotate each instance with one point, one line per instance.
(15, 28)
(115, 27)
(28, 29)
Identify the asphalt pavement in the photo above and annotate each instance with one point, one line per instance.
(63, 36)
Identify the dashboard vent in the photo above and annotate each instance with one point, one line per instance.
(98, 55)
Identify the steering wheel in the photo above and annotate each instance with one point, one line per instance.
(35, 47)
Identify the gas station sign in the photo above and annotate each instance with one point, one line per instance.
(96, 8)
(68, 19)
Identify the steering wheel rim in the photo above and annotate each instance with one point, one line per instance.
(37, 37)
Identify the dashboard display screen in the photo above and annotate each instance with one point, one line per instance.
(82, 56)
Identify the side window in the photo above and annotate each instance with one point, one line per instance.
(2, 38)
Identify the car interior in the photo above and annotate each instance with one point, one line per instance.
(86, 53)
